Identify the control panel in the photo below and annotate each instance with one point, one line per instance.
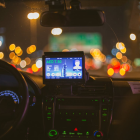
(77, 117)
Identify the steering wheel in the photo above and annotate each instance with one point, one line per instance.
(23, 105)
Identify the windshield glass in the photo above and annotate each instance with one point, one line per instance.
(111, 50)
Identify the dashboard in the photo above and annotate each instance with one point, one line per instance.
(91, 111)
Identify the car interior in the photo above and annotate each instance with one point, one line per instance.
(62, 96)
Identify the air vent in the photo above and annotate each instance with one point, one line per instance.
(92, 90)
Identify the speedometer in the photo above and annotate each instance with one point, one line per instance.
(10, 93)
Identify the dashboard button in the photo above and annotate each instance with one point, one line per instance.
(53, 134)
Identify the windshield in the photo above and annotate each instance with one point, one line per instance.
(111, 50)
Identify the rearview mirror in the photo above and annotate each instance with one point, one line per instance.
(72, 18)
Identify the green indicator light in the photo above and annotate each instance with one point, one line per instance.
(73, 113)
(103, 100)
(49, 108)
(52, 98)
(64, 136)
(104, 114)
(70, 133)
(79, 113)
(46, 100)
(49, 113)
(104, 120)
(52, 133)
(62, 99)
(86, 113)
(58, 99)
(60, 113)
(64, 133)
(92, 113)
(66, 113)
(104, 109)
(87, 133)
(84, 120)
(49, 117)
(68, 120)
(78, 133)
(98, 136)
(92, 100)
(96, 100)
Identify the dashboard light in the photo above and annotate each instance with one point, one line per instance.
(133, 37)
(1, 55)
(12, 47)
(56, 31)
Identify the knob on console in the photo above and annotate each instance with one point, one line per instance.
(53, 134)
(98, 135)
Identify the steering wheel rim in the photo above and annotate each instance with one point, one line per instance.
(25, 100)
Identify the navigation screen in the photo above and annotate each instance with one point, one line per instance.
(63, 68)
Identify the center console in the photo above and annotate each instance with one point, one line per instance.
(76, 111)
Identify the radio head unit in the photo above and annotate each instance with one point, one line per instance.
(64, 68)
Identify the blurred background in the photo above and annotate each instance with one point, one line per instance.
(111, 50)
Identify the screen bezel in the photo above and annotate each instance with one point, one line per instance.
(64, 55)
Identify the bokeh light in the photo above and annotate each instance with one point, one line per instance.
(23, 64)
(119, 55)
(123, 50)
(1, 55)
(12, 55)
(120, 45)
(15, 60)
(12, 47)
(17, 50)
(27, 50)
(137, 62)
(39, 62)
(126, 67)
(31, 49)
(29, 70)
(110, 72)
(114, 51)
(34, 68)
(19, 54)
(28, 60)
(124, 59)
(65, 50)
(0, 43)
(19, 60)
(122, 72)
(34, 15)
(56, 31)
(132, 36)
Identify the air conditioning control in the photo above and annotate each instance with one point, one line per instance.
(98, 135)
(53, 134)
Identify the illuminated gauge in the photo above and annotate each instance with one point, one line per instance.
(9, 93)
